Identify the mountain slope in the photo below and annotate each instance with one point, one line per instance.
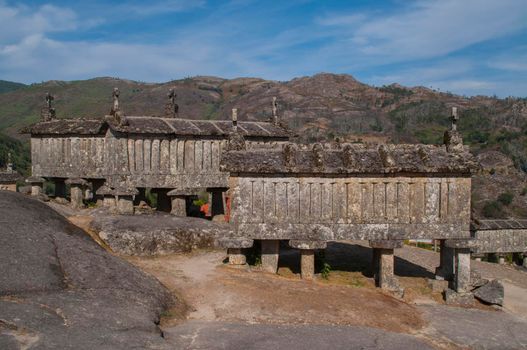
(319, 108)
(6, 86)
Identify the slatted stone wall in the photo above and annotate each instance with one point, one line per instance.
(352, 207)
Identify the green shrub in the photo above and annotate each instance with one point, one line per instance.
(493, 209)
(506, 198)
(326, 270)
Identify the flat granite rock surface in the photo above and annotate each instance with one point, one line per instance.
(60, 290)
(157, 233)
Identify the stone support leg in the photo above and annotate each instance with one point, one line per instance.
(525, 260)
(109, 201)
(179, 206)
(307, 263)
(36, 189)
(236, 256)
(462, 270)
(125, 205)
(76, 196)
(270, 255)
(385, 271)
(501, 260)
(445, 271)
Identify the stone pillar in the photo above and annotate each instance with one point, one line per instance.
(109, 202)
(383, 254)
(270, 255)
(60, 188)
(179, 206)
(478, 259)
(76, 196)
(37, 185)
(501, 260)
(462, 275)
(445, 271)
(36, 189)
(236, 256)
(77, 187)
(525, 260)
(125, 205)
(307, 255)
(307, 263)
(385, 268)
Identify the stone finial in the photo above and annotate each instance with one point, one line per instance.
(290, 154)
(115, 96)
(49, 99)
(347, 157)
(9, 164)
(275, 111)
(318, 155)
(454, 118)
(234, 117)
(172, 108)
(47, 113)
(452, 138)
(386, 157)
(116, 109)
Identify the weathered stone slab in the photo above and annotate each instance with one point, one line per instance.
(491, 293)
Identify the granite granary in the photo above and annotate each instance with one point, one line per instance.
(384, 194)
(120, 156)
(9, 176)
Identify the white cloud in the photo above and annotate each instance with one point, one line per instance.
(229, 42)
(20, 21)
(427, 29)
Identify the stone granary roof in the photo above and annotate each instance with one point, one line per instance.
(509, 224)
(351, 159)
(9, 177)
(156, 126)
(67, 127)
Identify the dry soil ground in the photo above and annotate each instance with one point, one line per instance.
(232, 307)
(216, 293)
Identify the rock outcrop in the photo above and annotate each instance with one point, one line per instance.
(60, 290)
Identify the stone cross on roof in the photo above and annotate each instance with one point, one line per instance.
(115, 96)
(47, 112)
(171, 108)
(49, 99)
(9, 164)
(234, 117)
(454, 118)
(275, 110)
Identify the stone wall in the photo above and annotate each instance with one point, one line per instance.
(501, 241)
(137, 160)
(327, 208)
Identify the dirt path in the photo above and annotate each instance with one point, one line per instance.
(217, 292)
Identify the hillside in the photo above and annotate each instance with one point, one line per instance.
(320, 107)
(6, 86)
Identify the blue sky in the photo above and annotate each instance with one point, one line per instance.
(463, 46)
